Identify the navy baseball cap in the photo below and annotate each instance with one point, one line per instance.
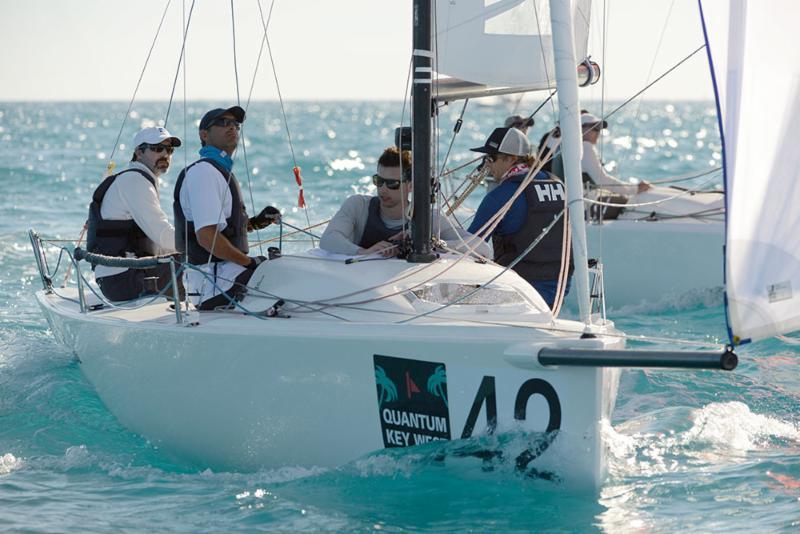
(208, 118)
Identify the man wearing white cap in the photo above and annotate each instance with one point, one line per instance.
(548, 265)
(593, 170)
(126, 219)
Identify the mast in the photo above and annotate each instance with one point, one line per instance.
(571, 142)
(421, 133)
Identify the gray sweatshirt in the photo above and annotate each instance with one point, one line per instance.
(347, 226)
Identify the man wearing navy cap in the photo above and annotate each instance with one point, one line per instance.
(211, 222)
(126, 219)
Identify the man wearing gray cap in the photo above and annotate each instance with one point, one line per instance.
(126, 219)
(519, 122)
(211, 222)
(549, 262)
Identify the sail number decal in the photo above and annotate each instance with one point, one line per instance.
(413, 404)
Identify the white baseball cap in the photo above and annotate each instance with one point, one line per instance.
(587, 120)
(506, 141)
(155, 135)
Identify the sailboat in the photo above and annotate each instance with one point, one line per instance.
(326, 361)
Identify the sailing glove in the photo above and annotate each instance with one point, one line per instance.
(255, 262)
(267, 216)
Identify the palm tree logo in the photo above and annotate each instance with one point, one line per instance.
(437, 382)
(386, 388)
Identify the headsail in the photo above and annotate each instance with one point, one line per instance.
(488, 47)
(757, 73)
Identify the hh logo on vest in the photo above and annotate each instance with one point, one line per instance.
(550, 192)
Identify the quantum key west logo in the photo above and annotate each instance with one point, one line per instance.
(412, 401)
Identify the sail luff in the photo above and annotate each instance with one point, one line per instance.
(571, 143)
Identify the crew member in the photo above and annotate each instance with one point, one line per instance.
(126, 219)
(519, 122)
(508, 158)
(211, 221)
(593, 171)
(368, 224)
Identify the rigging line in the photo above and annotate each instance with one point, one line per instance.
(603, 85)
(270, 240)
(651, 203)
(402, 120)
(258, 59)
(648, 86)
(498, 275)
(139, 81)
(687, 177)
(544, 61)
(178, 69)
(185, 136)
(456, 131)
(280, 100)
(635, 122)
(244, 139)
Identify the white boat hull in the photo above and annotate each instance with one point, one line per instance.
(279, 392)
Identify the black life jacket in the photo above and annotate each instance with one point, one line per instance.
(545, 199)
(556, 166)
(236, 225)
(376, 230)
(116, 237)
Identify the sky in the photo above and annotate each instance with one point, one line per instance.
(89, 50)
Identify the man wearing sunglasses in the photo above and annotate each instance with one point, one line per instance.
(507, 155)
(368, 224)
(211, 221)
(126, 219)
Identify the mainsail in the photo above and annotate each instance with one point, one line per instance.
(490, 47)
(757, 73)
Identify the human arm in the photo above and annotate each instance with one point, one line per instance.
(590, 164)
(141, 201)
(346, 226)
(215, 243)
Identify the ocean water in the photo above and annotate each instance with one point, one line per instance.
(702, 451)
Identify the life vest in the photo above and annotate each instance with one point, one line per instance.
(545, 199)
(376, 230)
(116, 237)
(236, 225)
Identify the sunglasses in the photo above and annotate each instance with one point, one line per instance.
(226, 122)
(378, 180)
(158, 149)
(489, 159)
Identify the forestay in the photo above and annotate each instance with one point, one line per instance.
(757, 71)
(489, 47)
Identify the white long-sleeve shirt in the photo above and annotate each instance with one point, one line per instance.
(347, 227)
(591, 165)
(131, 196)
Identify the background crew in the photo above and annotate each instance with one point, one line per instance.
(126, 219)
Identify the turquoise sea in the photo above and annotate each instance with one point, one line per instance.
(691, 451)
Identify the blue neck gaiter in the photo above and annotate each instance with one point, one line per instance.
(220, 156)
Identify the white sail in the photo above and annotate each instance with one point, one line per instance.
(757, 70)
(500, 46)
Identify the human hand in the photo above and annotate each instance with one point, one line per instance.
(267, 216)
(255, 262)
(384, 248)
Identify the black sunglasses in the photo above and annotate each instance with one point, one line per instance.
(378, 180)
(226, 122)
(158, 149)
